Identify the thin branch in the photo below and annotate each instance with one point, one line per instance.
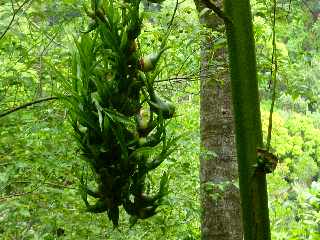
(51, 38)
(27, 105)
(185, 60)
(57, 185)
(5, 198)
(15, 12)
(163, 44)
(218, 11)
(52, 184)
(178, 79)
(2, 199)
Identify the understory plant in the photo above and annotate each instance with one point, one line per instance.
(117, 117)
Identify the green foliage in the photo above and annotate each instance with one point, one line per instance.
(40, 167)
(292, 187)
(48, 165)
(297, 31)
(30, 47)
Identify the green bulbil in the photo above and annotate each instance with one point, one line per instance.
(117, 119)
(148, 63)
(163, 108)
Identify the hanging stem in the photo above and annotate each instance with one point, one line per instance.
(274, 68)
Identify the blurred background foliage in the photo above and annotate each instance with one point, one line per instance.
(40, 164)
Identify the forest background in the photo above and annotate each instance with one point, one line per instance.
(39, 160)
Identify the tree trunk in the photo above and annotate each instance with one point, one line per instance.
(220, 197)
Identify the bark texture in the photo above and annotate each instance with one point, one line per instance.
(220, 197)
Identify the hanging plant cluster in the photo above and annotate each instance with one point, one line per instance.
(118, 120)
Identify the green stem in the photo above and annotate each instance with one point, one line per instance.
(242, 59)
(274, 68)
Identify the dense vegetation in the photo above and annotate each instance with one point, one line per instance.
(40, 162)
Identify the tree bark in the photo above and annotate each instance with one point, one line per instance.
(220, 198)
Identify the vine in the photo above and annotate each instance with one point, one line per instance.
(273, 70)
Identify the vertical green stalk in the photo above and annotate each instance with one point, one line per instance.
(253, 187)
(273, 70)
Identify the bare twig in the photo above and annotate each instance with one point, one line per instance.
(179, 79)
(2, 199)
(27, 105)
(51, 38)
(52, 184)
(170, 25)
(15, 12)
